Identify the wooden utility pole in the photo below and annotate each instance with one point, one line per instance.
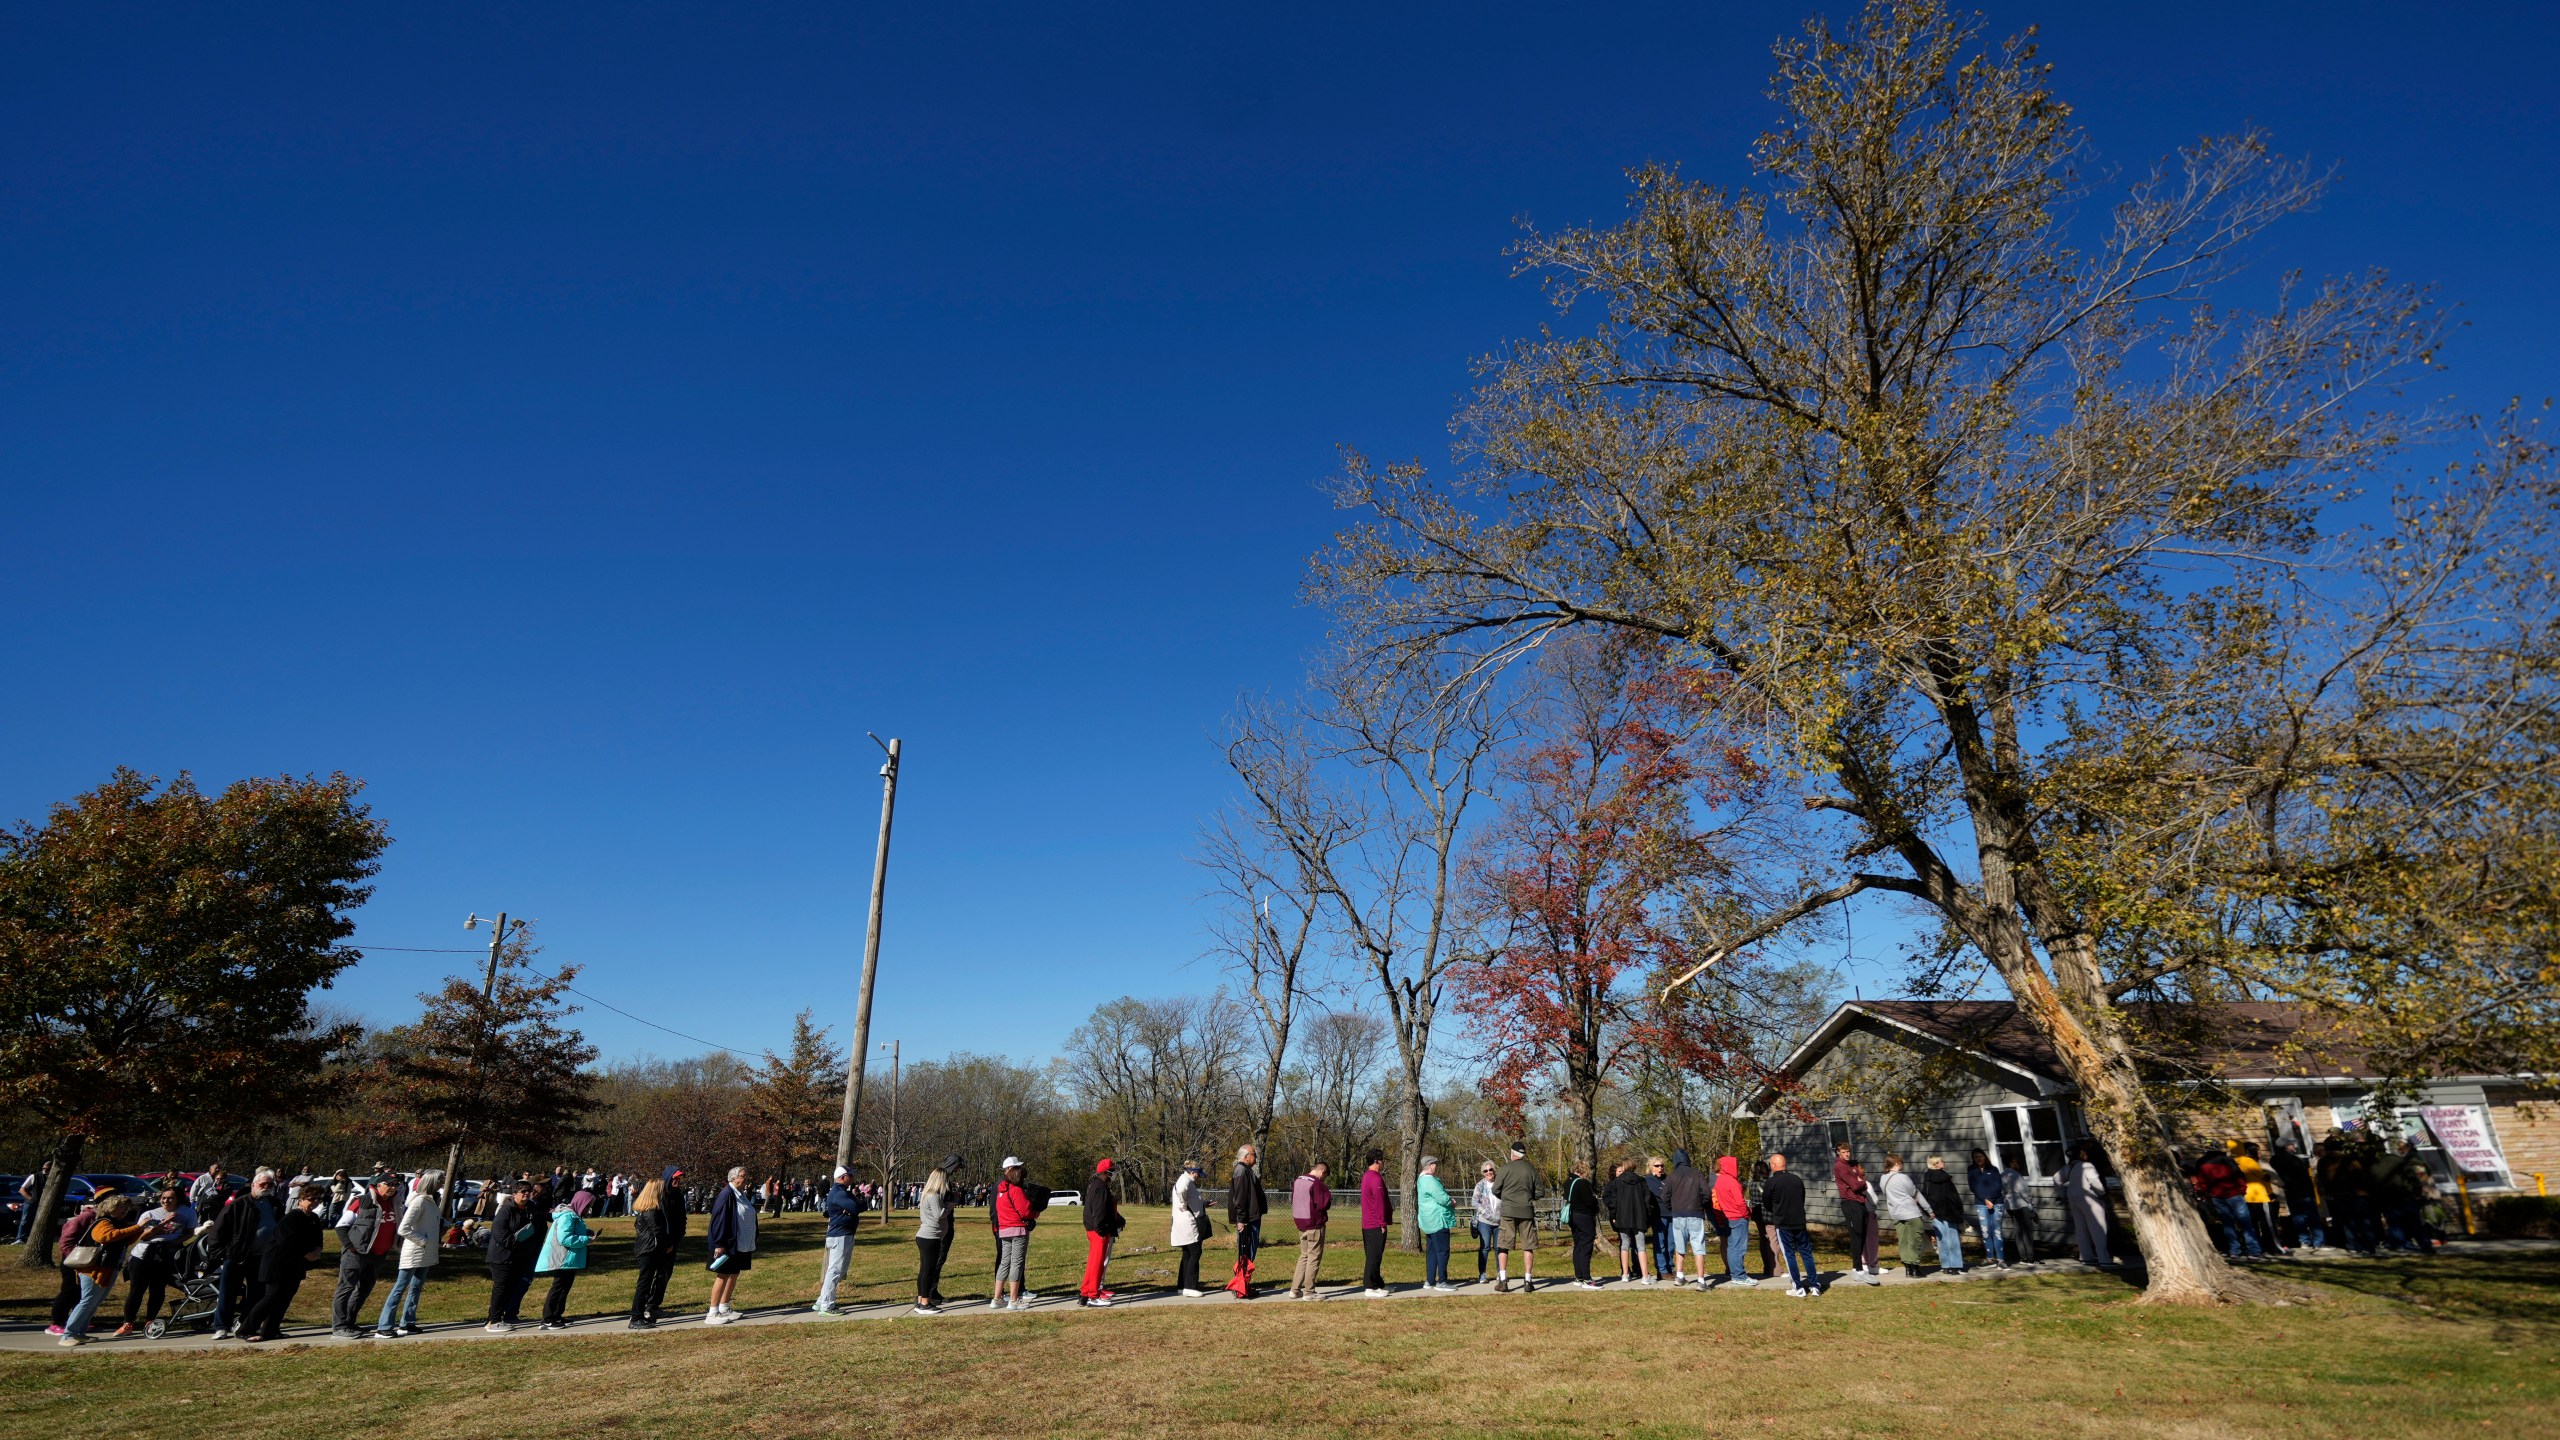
(488, 993)
(870, 959)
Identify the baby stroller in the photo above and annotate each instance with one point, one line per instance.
(198, 1289)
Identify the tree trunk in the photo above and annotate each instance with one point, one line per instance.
(1413, 1127)
(37, 1253)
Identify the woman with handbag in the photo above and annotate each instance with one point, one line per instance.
(1190, 1226)
(96, 1258)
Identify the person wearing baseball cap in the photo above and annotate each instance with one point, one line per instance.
(1013, 1212)
(1101, 1226)
(844, 1215)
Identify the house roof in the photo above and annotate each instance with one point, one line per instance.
(2232, 1041)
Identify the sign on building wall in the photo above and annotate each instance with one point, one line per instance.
(2463, 1132)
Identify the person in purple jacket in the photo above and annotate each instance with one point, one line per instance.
(1377, 1212)
(1310, 1204)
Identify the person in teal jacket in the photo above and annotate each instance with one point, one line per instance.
(1432, 1210)
(563, 1255)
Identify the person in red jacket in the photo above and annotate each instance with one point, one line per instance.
(1101, 1226)
(1012, 1214)
(1733, 1212)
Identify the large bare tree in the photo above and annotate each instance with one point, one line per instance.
(1941, 470)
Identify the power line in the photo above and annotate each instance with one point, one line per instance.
(581, 994)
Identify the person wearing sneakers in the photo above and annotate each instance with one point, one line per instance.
(1631, 1214)
(1684, 1205)
(1013, 1212)
(1246, 1205)
(1782, 1205)
(1310, 1203)
(1436, 1216)
(844, 1213)
(563, 1257)
(1102, 1224)
(1516, 1185)
(731, 1234)
(934, 1226)
(1909, 1218)
(1377, 1212)
(1733, 1220)
(1582, 1217)
(1858, 1214)
(1190, 1228)
(1486, 1210)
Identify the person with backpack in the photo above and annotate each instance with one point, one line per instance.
(368, 1231)
(1013, 1215)
(1310, 1204)
(510, 1251)
(1782, 1198)
(1684, 1201)
(1190, 1228)
(1377, 1212)
(288, 1256)
(1246, 1205)
(1435, 1216)
(563, 1256)
(1630, 1205)
(1516, 1183)
(844, 1216)
(1102, 1224)
(1582, 1219)
(420, 1233)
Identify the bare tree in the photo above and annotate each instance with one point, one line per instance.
(1162, 1076)
(1336, 1085)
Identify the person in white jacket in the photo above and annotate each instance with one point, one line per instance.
(1190, 1225)
(421, 1231)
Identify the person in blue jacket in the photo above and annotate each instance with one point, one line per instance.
(562, 1256)
(844, 1213)
(731, 1233)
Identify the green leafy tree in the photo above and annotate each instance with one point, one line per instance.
(795, 1103)
(2001, 516)
(503, 1070)
(159, 946)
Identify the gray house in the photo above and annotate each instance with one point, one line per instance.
(1923, 1078)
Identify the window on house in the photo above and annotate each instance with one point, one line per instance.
(1839, 1133)
(2027, 1137)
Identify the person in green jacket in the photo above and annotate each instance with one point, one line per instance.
(563, 1255)
(1433, 1212)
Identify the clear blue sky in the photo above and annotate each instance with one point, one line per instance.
(584, 423)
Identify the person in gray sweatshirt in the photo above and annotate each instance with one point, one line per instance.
(933, 1235)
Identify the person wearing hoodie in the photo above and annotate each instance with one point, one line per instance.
(1782, 1198)
(1684, 1201)
(934, 1226)
(1436, 1216)
(1982, 1178)
(1310, 1205)
(1190, 1227)
(1013, 1213)
(1903, 1210)
(420, 1233)
(1630, 1207)
(1733, 1221)
(1946, 1211)
(1246, 1205)
(844, 1215)
(1858, 1213)
(1102, 1224)
(730, 1232)
(510, 1252)
(1377, 1212)
(562, 1256)
(1582, 1219)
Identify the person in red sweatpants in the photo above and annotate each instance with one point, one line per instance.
(1101, 1226)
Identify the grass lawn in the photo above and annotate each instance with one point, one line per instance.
(2392, 1348)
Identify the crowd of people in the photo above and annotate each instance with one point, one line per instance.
(247, 1248)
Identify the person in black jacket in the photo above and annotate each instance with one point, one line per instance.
(249, 1215)
(515, 1237)
(1946, 1207)
(1782, 1210)
(290, 1253)
(657, 1228)
(1246, 1205)
(1101, 1226)
(1629, 1202)
(1582, 1217)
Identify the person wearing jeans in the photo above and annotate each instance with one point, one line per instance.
(1488, 1220)
(1733, 1217)
(1782, 1198)
(844, 1213)
(1433, 1212)
(1982, 1178)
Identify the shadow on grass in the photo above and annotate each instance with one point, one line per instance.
(2507, 1289)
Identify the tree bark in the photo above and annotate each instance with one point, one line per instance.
(37, 1253)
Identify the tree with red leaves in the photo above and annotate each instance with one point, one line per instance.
(1637, 807)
